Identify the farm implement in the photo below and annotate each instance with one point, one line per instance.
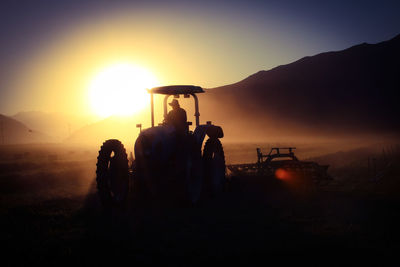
(278, 164)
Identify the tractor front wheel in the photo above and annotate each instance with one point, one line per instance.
(112, 174)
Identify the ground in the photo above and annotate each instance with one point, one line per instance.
(50, 214)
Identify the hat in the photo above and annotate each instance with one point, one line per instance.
(174, 103)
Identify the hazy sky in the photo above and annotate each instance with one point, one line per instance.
(50, 50)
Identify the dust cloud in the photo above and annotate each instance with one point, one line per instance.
(39, 172)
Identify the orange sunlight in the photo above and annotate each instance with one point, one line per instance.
(120, 89)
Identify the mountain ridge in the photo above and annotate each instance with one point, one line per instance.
(13, 131)
(353, 89)
(357, 46)
(55, 124)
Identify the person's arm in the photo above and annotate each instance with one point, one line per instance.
(184, 115)
(167, 118)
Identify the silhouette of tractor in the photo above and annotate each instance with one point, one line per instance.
(167, 164)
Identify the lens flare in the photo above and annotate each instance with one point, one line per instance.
(282, 174)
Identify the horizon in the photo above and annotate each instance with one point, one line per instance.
(89, 128)
(96, 118)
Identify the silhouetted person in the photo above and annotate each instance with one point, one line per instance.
(177, 117)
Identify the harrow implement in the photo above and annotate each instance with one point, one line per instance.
(268, 165)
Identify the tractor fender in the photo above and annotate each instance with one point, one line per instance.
(214, 131)
(210, 130)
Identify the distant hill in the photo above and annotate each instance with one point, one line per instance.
(57, 125)
(123, 129)
(354, 91)
(15, 132)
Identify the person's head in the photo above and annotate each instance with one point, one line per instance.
(174, 104)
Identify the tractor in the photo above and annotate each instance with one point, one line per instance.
(166, 163)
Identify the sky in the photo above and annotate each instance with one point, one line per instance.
(52, 50)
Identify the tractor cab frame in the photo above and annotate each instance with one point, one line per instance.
(176, 91)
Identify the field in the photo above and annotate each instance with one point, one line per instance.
(50, 212)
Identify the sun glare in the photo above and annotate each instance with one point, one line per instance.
(120, 89)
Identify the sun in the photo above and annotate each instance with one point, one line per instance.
(120, 89)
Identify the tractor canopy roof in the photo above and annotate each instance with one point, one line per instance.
(176, 90)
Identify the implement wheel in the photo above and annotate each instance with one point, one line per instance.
(112, 174)
(214, 166)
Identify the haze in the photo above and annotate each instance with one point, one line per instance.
(52, 51)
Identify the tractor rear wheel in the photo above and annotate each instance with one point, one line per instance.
(194, 177)
(112, 174)
(214, 166)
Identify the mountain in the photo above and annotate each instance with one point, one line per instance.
(15, 132)
(57, 125)
(121, 128)
(354, 90)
